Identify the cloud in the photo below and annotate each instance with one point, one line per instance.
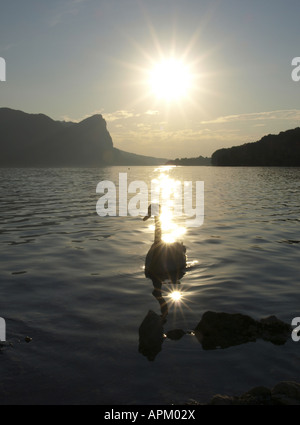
(119, 115)
(124, 115)
(288, 114)
(150, 112)
(66, 118)
(139, 132)
(168, 142)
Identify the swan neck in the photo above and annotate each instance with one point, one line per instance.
(158, 234)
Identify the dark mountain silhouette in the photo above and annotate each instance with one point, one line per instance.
(272, 151)
(35, 140)
(190, 161)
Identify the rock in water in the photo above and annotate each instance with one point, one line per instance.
(286, 393)
(283, 394)
(223, 330)
(274, 330)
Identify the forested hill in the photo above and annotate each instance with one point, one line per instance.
(272, 150)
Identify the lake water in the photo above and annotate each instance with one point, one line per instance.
(74, 282)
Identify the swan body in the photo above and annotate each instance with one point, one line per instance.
(164, 259)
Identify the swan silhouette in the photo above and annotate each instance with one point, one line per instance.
(164, 260)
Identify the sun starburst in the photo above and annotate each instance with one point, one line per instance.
(170, 79)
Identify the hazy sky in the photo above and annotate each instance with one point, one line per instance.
(71, 59)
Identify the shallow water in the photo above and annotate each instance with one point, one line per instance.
(74, 282)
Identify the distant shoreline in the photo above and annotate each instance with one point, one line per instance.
(200, 161)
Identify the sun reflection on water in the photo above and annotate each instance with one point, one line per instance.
(175, 296)
(168, 193)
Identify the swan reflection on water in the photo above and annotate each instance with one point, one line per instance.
(151, 331)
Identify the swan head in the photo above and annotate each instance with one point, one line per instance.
(153, 210)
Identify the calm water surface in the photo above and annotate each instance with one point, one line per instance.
(75, 284)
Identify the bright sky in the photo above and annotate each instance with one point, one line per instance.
(173, 78)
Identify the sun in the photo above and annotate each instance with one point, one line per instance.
(170, 80)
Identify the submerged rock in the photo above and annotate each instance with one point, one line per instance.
(223, 330)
